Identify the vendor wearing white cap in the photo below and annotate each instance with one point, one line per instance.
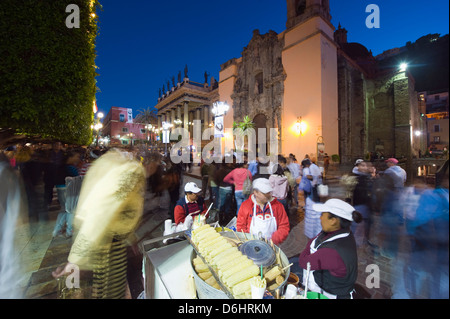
(190, 203)
(262, 214)
(332, 253)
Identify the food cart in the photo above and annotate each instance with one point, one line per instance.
(168, 269)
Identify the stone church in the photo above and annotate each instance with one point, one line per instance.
(310, 73)
(320, 92)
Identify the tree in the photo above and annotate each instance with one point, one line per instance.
(241, 128)
(147, 116)
(47, 70)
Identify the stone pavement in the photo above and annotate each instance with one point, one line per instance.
(54, 252)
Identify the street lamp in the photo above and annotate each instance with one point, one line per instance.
(148, 127)
(220, 108)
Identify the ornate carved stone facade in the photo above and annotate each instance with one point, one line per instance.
(259, 85)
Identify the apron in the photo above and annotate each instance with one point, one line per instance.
(266, 226)
(312, 285)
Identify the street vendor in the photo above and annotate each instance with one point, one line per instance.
(332, 253)
(189, 204)
(262, 214)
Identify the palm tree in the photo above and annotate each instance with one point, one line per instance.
(242, 128)
(147, 116)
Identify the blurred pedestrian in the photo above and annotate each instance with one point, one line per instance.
(13, 212)
(312, 218)
(108, 211)
(237, 177)
(427, 268)
(362, 201)
(279, 183)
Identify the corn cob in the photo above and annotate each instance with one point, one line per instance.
(279, 280)
(272, 273)
(218, 250)
(224, 254)
(235, 269)
(242, 287)
(205, 234)
(197, 261)
(200, 229)
(224, 260)
(211, 281)
(273, 287)
(233, 262)
(210, 248)
(244, 274)
(204, 275)
(203, 244)
(201, 268)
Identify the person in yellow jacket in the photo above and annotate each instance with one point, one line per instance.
(109, 208)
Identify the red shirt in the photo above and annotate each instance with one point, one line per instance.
(245, 216)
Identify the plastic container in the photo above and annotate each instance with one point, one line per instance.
(315, 295)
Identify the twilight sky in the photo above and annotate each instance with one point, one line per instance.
(143, 43)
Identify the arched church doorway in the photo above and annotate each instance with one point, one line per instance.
(260, 121)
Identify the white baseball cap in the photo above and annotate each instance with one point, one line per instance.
(336, 207)
(263, 185)
(358, 161)
(192, 188)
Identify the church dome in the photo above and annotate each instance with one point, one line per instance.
(355, 50)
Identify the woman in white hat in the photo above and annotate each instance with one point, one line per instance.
(332, 253)
(263, 215)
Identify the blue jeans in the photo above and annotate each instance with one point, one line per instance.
(225, 197)
(240, 198)
(215, 196)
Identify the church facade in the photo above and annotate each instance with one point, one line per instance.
(310, 74)
(321, 93)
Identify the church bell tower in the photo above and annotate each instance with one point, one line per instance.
(301, 10)
(311, 86)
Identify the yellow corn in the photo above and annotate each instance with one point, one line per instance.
(204, 275)
(272, 273)
(210, 248)
(242, 275)
(242, 287)
(233, 262)
(197, 261)
(273, 287)
(223, 261)
(200, 229)
(224, 254)
(235, 269)
(207, 243)
(201, 268)
(205, 234)
(219, 249)
(279, 280)
(211, 281)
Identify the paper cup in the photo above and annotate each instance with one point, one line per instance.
(291, 292)
(257, 293)
(168, 226)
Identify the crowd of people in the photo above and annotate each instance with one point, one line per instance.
(260, 195)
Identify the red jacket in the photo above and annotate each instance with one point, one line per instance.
(245, 216)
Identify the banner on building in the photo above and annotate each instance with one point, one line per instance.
(129, 115)
(218, 127)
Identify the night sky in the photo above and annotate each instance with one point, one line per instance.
(143, 43)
